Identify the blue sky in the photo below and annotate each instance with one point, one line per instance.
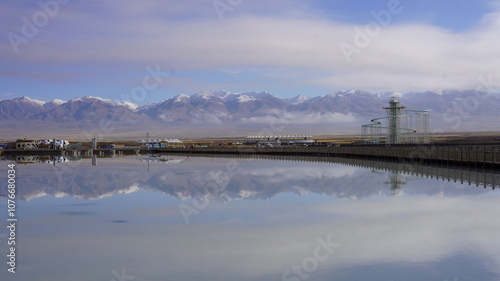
(69, 48)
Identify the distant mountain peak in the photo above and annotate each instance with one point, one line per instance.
(181, 98)
(57, 101)
(92, 99)
(438, 92)
(130, 105)
(202, 95)
(260, 95)
(245, 98)
(30, 100)
(297, 99)
(221, 94)
(53, 103)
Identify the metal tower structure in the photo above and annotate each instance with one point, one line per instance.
(400, 126)
(394, 113)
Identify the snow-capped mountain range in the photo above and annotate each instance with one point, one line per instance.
(222, 107)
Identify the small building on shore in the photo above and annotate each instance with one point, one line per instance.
(26, 144)
(53, 144)
(159, 143)
(282, 140)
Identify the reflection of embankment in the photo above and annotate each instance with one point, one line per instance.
(478, 176)
(465, 155)
(256, 178)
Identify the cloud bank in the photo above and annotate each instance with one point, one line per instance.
(283, 37)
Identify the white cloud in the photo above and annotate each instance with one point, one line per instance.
(300, 118)
(190, 36)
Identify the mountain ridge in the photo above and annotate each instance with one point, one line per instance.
(347, 109)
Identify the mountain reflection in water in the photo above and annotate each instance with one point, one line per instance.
(253, 219)
(187, 177)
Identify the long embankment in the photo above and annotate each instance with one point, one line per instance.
(486, 155)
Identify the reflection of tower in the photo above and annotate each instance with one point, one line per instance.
(394, 115)
(396, 180)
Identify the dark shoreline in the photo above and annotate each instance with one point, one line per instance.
(464, 155)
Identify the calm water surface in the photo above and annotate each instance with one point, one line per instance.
(179, 218)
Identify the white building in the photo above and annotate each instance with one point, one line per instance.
(26, 144)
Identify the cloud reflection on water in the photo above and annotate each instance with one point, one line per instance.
(434, 226)
(255, 179)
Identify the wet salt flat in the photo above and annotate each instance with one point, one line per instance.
(237, 219)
